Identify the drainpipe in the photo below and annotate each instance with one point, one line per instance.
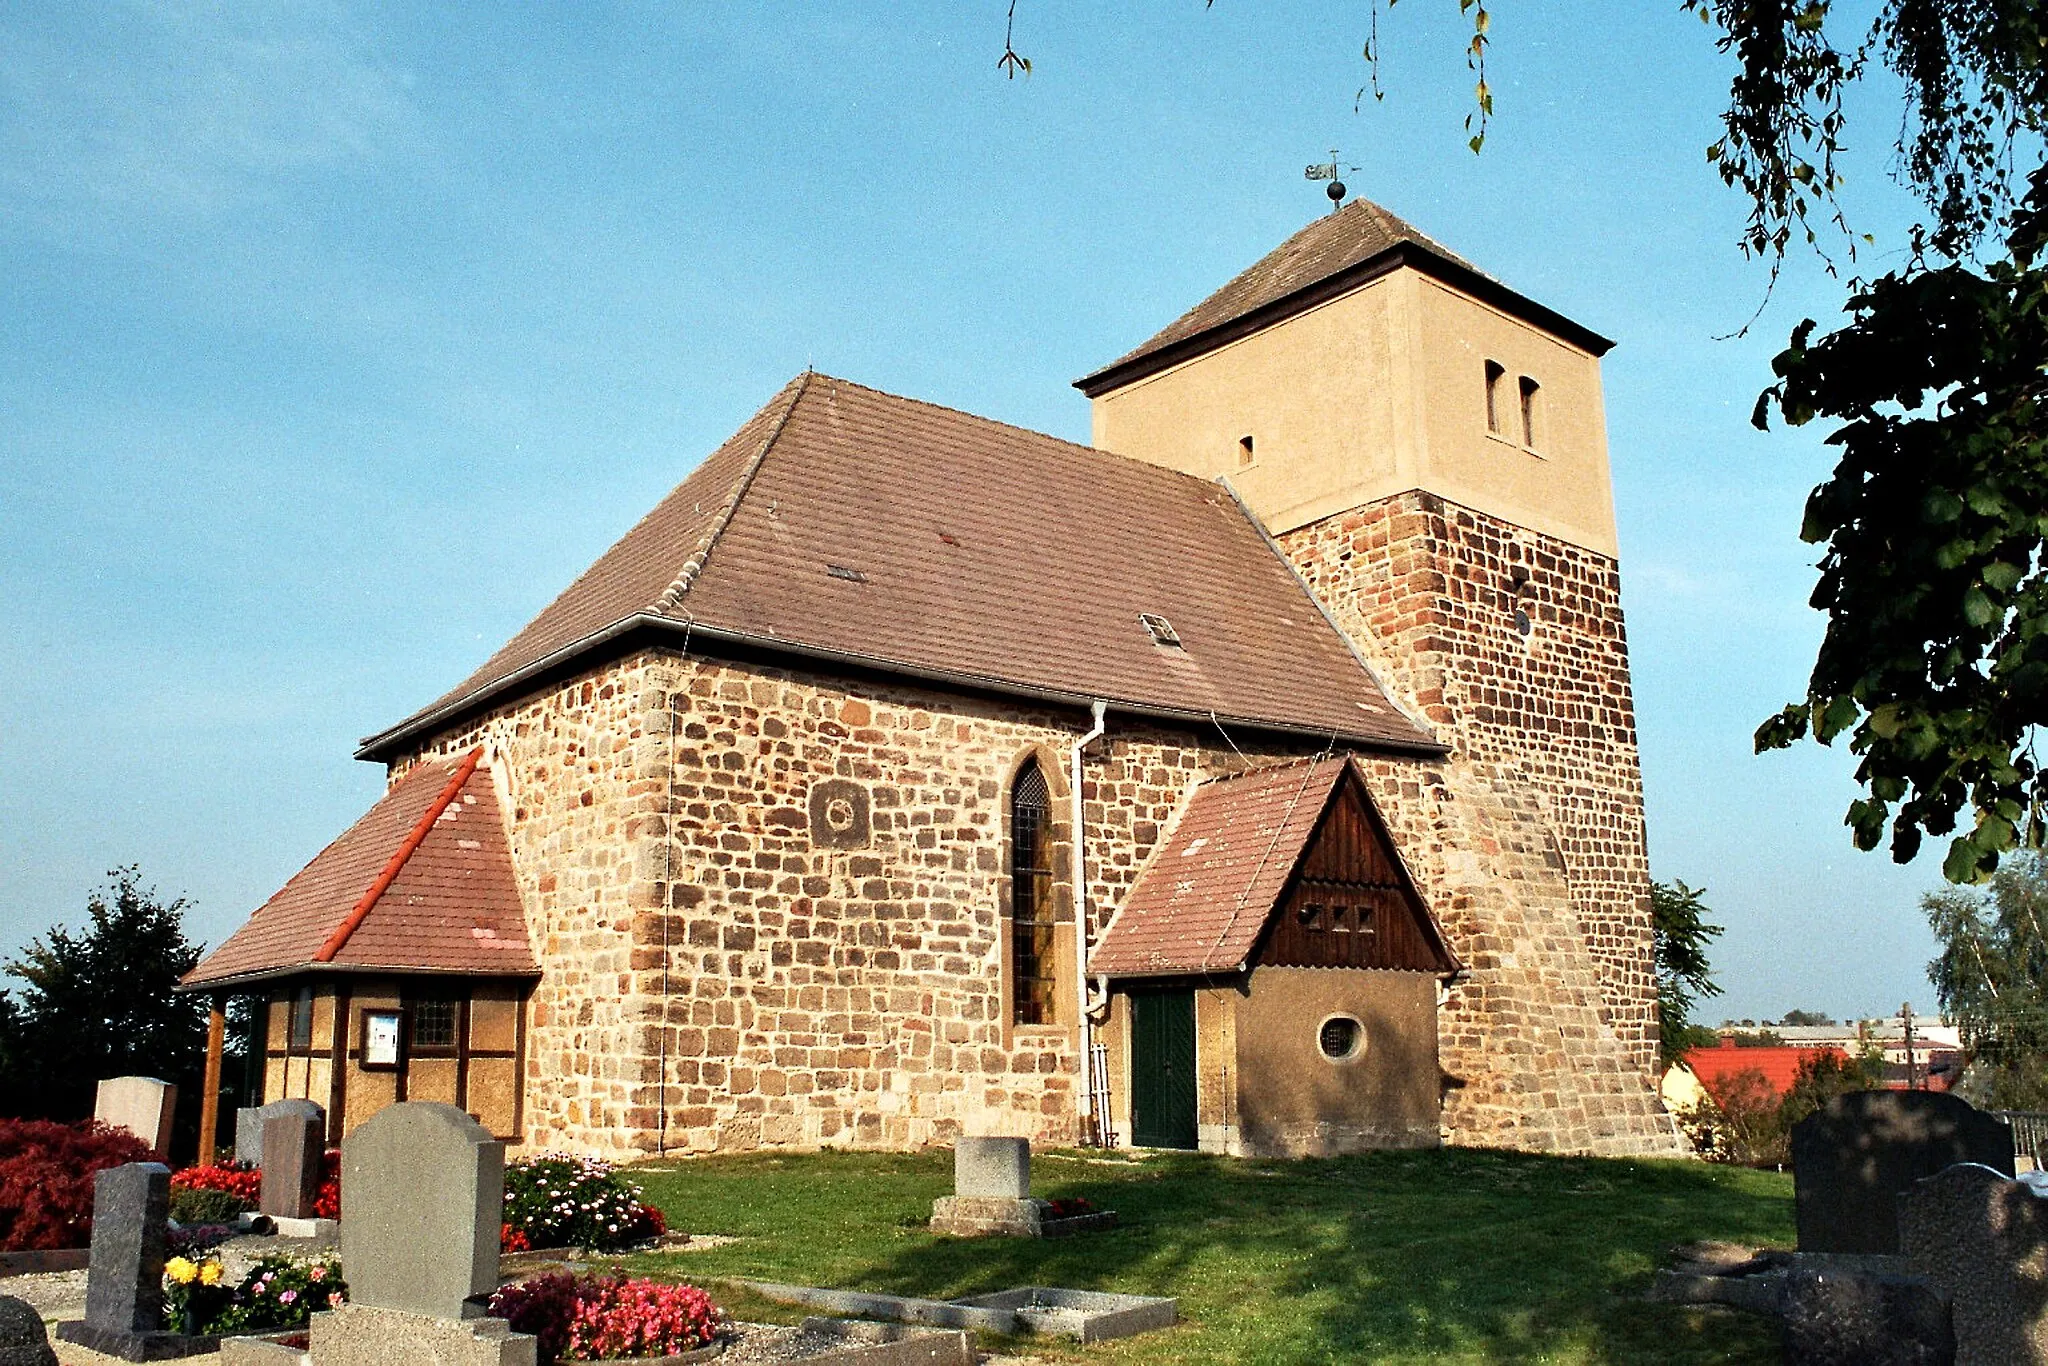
(1097, 709)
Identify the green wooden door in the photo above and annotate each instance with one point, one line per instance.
(1163, 1069)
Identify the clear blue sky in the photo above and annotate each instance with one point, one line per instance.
(336, 338)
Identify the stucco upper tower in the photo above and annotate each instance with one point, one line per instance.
(1428, 448)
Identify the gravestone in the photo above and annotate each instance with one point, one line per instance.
(422, 1202)
(1864, 1318)
(141, 1105)
(124, 1286)
(23, 1340)
(999, 1167)
(1853, 1157)
(250, 1119)
(293, 1157)
(1982, 1239)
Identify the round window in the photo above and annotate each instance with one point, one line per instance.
(1341, 1038)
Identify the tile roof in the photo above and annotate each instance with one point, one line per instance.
(870, 530)
(1342, 249)
(422, 883)
(1779, 1065)
(1208, 891)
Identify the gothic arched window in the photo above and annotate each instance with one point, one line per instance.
(1033, 930)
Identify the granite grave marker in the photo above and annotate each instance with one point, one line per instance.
(1852, 1158)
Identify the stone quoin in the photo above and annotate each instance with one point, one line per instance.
(766, 832)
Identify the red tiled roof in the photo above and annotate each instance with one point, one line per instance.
(1203, 898)
(1340, 250)
(1779, 1065)
(422, 883)
(875, 531)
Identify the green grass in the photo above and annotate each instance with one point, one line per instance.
(1454, 1255)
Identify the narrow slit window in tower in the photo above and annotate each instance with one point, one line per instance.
(1495, 372)
(1530, 390)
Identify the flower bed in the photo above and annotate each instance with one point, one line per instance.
(46, 1173)
(244, 1181)
(279, 1294)
(555, 1200)
(608, 1318)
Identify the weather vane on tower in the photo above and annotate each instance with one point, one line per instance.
(1328, 170)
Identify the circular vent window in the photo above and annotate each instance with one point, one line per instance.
(1341, 1038)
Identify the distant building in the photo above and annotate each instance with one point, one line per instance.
(1778, 1065)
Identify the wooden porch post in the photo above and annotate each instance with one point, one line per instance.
(209, 1100)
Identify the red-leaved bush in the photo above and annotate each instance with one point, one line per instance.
(327, 1204)
(46, 1172)
(603, 1318)
(238, 1179)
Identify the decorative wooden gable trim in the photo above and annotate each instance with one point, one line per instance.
(1350, 902)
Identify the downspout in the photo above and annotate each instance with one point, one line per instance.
(1098, 709)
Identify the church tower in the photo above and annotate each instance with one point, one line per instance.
(1428, 448)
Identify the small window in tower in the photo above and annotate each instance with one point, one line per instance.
(1530, 390)
(1495, 373)
(1244, 451)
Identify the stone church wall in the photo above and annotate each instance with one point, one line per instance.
(1430, 590)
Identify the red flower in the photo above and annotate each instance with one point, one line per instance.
(511, 1239)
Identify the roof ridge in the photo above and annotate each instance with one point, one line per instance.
(693, 567)
(1262, 770)
(336, 941)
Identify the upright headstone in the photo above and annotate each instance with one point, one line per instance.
(294, 1151)
(124, 1286)
(250, 1119)
(23, 1339)
(1983, 1240)
(1852, 1158)
(422, 1202)
(999, 1167)
(141, 1105)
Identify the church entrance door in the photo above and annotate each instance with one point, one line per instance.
(1163, 1069)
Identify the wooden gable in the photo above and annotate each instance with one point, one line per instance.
(1350, 903)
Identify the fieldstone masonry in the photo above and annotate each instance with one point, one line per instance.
(718, 979)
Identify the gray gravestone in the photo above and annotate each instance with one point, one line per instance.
(250, 1119)
(1853, 1157)
(23, 1339)
(141, 1105)
(423, 1198)
(1983, 1240)
(999, 1167)
(293, 1153)
(1864, 1318)
(124, 1285)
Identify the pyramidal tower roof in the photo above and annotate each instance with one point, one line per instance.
(1335, 254)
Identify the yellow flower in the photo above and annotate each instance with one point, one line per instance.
(210, 1274)
(180, 1270)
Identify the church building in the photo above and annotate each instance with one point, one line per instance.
(1260, 778)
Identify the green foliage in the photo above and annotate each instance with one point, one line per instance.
(1825, 1074)
(1992, 980)
(1457, 1256)
(556, 1200)
(279, 1294)
(1756, 1038)
(1752, 1124)
(100, 1004)
(191, 1205)
(1805, 1019)
(1681, 934)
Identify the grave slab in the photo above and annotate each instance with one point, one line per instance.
(1852, 1158)
(1983, 1241)
(141, 1105)
(1865, 1318)
(250, 1119)
(889, 1344)
(294, 1154)
(363, 1335)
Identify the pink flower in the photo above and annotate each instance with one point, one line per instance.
(287, 1297)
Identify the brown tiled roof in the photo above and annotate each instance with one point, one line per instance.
(1336, 252)
(422, 883)
(854, 526)
(1207, 892)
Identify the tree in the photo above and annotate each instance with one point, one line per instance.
(1992, 980)
(100, 1004)
(1805, 1019)
(1680, 935)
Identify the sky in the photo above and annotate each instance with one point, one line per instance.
(336, 338)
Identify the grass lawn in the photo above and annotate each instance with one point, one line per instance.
(1453, 1255)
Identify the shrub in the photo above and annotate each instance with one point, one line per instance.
(239, 1179)
(204, 1205)
(46, 1172)
(555, 1200)
(603, 1318)
(327, 1204)
(1752, 1130)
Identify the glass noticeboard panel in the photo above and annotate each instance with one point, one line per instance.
(380, 1038)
